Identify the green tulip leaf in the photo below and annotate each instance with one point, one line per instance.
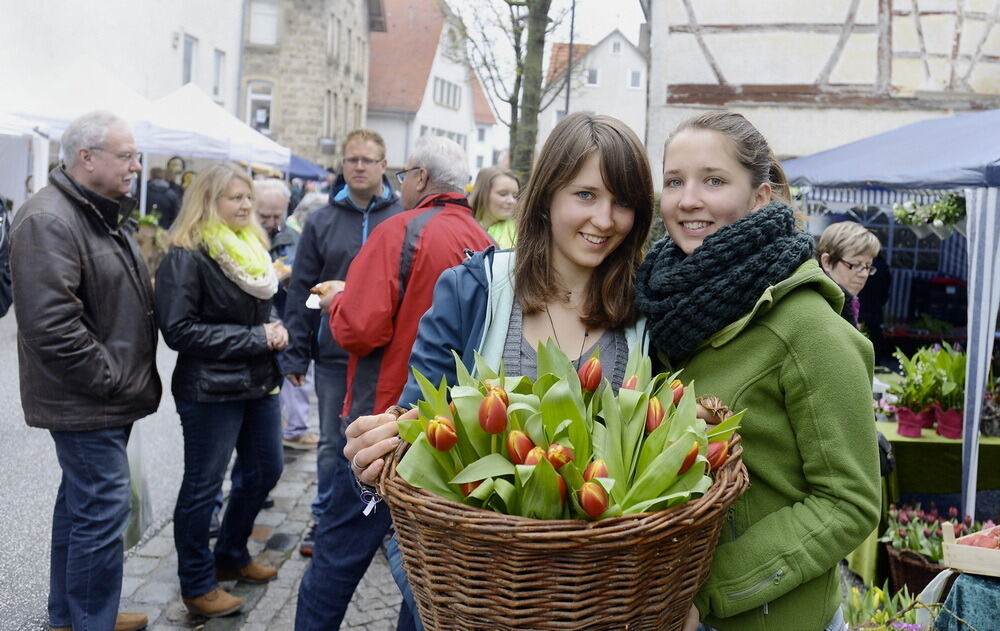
(725, 429)
(685, 416)
(467, 401)
(462, 376)
(662, 471)
(504, 499)
(540, 497)
(535, 431)
(612, 444)
(421, 468)
(483, 370)
(483, 491)
(489, 466)
(409, 430)
(572, 475)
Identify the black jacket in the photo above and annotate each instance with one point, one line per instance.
(162, 200)
(217, 330)
(6, 292)
(86, 336)
(330, 240)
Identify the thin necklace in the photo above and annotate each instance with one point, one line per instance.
(586, 334)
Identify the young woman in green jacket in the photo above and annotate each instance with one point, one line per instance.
(733, 296)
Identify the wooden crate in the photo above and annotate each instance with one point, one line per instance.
(971, 559)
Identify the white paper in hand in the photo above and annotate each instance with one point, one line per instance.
(312, 301)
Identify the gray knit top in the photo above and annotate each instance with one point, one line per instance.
(519, 358)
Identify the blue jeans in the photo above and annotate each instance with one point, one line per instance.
(90, 515)
(346, 542)
(211, 432)
(331, 386)
(295, 405)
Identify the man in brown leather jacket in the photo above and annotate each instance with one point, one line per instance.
(86, 344)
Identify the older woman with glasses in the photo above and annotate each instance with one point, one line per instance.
(846, 251)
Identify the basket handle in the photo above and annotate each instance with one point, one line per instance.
(393, 457)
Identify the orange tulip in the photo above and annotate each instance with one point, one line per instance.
(441, 433)
(654, 414)
(596, 469)
(593, 498)
(534, 456)
(559, 455)
(678, 389)
(562, 487)
(493, 413)
(590, 374)
(518, 446)
(501, 393)
(631, 383)
(468, 487)
(717, 453)
(690, 458)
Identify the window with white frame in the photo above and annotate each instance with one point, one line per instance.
(592, 76)
(190, 57)
(481, 134)
(350, 48)
(479, 162)
(263, 22)
(635, 79)
(616, 46)
(447, 93)
(332, 34)
(259, 106)
(218, 74)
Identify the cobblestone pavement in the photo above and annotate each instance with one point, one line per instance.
(150, 584)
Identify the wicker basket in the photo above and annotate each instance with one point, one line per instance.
(476, 569)
(911, 569)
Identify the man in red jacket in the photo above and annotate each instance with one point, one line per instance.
(389, 286)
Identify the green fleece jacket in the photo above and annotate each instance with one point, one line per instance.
(804, 375)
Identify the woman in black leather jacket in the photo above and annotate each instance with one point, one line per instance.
(214, 295)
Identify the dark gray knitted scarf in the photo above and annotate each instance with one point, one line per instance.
(688, 298)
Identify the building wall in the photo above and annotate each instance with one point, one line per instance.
(395, 129)
(813, 75)
(320, 56)
(612, 95)
(140, 43)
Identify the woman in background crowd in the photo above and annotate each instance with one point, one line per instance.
(846, 251)
(214, 294)
(493, 200)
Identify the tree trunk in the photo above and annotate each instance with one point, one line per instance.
(523, 147)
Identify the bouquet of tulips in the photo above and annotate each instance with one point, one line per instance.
(565, 446)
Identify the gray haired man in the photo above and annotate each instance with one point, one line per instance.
(86, 344)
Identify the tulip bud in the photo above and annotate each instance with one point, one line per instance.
(904, 519)
(452, 409)
(493, 413)
(717, 453)
(593, 499)
(534, 456)
(654, 414)
(468, 487)
(596, 469)
(500, 393)
(559, 455)
(690, 458)
(953, 512)
(678, 389)
(562, 487)
(590, 374)
(631, 383)
(441, 433)
(518, 446)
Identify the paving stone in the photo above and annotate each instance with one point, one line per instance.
(156, 592)
(260, 533)
(130, 584)
(158, 546)
(269, 518)
(289, 489)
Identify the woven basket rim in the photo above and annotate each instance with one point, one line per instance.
(731, 479)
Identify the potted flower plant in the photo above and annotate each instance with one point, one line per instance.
(949, 362)
(914, 393)
(940, 217)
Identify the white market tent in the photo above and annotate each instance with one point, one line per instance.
(23, 151)
(956, 152)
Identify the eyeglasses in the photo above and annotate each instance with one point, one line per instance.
(867, 270)
(400, 176)
(356, 161)
(127, 156)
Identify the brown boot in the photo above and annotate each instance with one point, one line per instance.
(214, 604)
(251, 573)
(131, 622)
(123, 622)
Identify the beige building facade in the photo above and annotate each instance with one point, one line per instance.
(304, 76)
(814, 75)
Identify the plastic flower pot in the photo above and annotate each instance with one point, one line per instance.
(949, 423)
(921, 230)
(908, 422)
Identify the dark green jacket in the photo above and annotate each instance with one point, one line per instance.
(804, 375)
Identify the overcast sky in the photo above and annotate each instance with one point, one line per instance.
(597, 18)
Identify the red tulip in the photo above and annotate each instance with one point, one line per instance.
(518, 446)
(452, 409)
(678, 389)
(631, 383)
(493, 413)
(534, 456)
(654, 414)
(441, 433)
(593, 498)
(690, 458)
(469, 487)
(562, 487)
(501, 393)
(559, 455)
(717, 453)
(596, 469)
(590, 374)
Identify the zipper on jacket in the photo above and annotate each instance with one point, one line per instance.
(364, 225)
(773, 578)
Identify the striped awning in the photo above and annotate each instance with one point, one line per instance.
(840, 199)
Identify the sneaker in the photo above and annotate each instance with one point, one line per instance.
(308, 542)
(252, 572)
(304, 441)
(123, 622)
(214, 604)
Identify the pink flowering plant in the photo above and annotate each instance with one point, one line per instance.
(912, 528)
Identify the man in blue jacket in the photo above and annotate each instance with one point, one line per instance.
(360, 199)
